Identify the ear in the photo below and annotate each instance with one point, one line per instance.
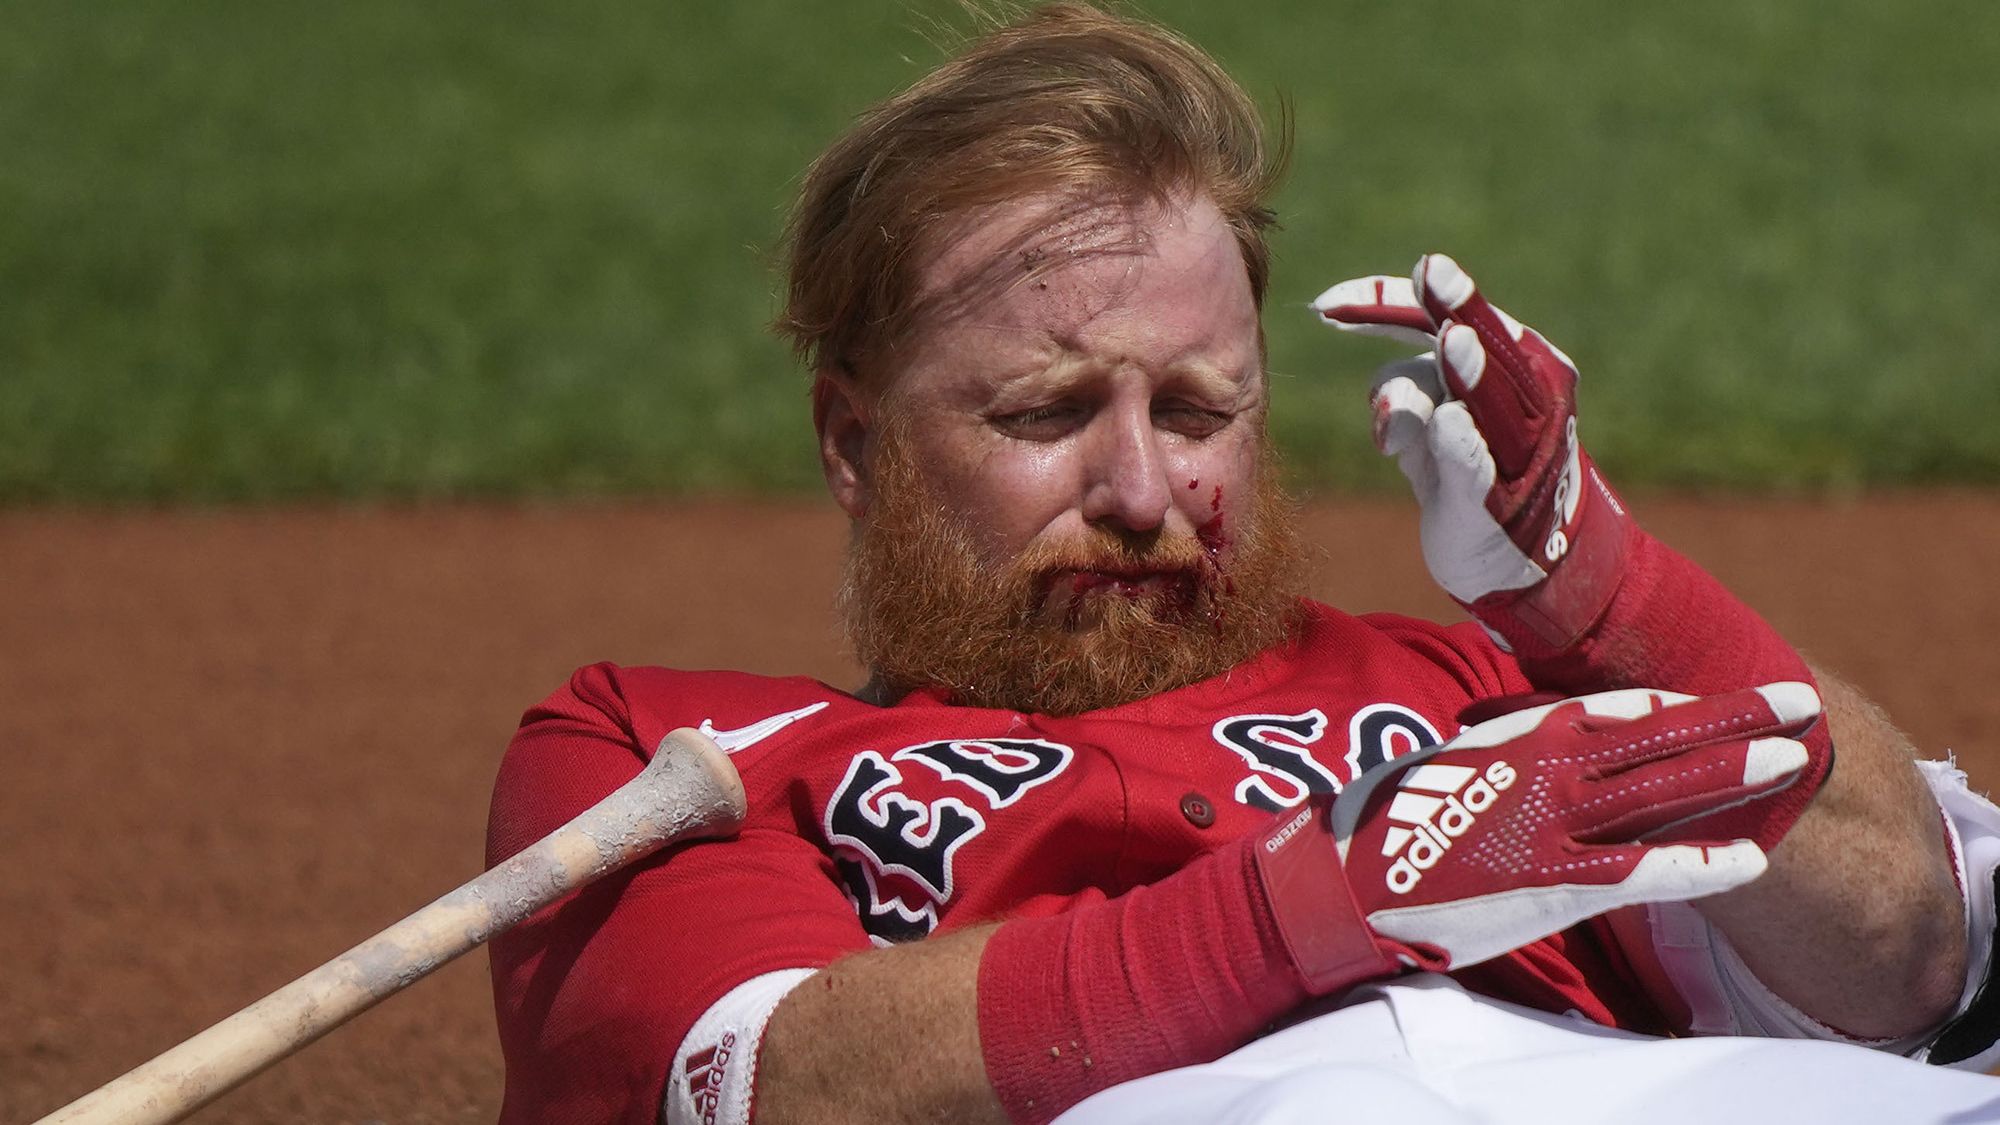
(842, 416)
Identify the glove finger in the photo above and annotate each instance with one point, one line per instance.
(1377, 306)
(1464, 462)
(1614, 742)
(1402, 410)
(1661, 795)
(1510, 420)
(1421, 370)
(1475, 928)
(1420, 470)
(1448, 293)
(1511, 723)
(1679, 872)
(1512, 397)
(1465, 548)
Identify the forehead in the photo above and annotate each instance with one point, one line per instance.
(1143, 278)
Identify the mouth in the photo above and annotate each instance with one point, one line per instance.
(1069, 592)
(1131, 584)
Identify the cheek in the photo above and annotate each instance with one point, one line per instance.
(1214, 484)
(1006, 495)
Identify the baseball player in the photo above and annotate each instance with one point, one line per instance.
(1117, 803)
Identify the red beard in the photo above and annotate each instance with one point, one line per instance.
(1063, 627)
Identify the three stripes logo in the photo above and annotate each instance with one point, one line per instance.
(705, 1072)
(1434, 805)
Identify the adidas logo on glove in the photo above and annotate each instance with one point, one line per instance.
(1434, 805)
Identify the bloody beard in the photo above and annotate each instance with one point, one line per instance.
(1063, 627)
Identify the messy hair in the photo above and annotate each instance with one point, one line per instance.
(1068, 100)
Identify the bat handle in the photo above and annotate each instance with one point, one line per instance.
(688, 791)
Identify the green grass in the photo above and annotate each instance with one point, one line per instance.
(265, 251)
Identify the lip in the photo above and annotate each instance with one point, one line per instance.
(1069, 592)
(1132, 583)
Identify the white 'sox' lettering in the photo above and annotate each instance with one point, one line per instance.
(1279, 750)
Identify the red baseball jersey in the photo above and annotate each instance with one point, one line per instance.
(871, 825)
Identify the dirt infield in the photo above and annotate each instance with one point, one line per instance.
(236, 743)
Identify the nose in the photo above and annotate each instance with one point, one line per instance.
(1128, 487)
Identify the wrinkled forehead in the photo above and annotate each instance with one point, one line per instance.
(1099, 246)
(1012, 243)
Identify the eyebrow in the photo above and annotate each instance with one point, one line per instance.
(1216, 377)
(1035, 377)
(1210, 380)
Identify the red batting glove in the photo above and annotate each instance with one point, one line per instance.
(1526, 825)
(1517, 524)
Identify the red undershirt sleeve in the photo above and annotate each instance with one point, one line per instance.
(1673, 626)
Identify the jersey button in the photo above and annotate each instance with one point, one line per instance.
(1198, 810)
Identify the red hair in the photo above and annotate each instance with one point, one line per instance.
(1068, 100)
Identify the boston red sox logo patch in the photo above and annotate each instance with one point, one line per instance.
(895, 834)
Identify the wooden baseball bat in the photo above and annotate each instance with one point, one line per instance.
(688, 791)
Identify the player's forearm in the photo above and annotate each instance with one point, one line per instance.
(1023, 1020)
(881, 1037)
(891, 1035)
(1858, 922)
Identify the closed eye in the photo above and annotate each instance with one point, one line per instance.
(1041, 423)
(1189, 420)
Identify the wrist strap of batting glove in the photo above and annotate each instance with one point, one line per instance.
(1553, 615)
(1320, 924)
